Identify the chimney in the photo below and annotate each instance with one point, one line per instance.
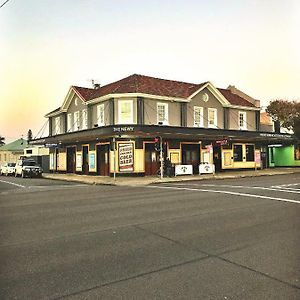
(257, 103)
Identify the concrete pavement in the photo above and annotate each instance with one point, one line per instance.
(142, 181)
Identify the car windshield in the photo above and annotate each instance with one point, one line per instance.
(11, 164)
(29, 163)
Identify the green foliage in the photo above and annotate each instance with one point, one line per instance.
(286, 112)
(2, 139)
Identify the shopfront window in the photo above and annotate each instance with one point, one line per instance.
(249, 152)
(237, 153)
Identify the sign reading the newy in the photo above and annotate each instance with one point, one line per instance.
(125, 157)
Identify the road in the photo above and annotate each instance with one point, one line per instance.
(216, 239)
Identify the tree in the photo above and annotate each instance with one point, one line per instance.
(286, 112)
(2, 139)
(29, 135)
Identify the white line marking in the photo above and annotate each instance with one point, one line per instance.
(12, 183)
(289, 184)
(55, 186)
(226, 192)
(285, 190)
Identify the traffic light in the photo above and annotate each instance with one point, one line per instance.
(157, 143)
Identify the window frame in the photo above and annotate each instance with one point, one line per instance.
(166, 112)
(70, 122)
(100, 111)
(84, 119)
(244, 126)
(76, 120)
(201, 121)
(57, 122)
(120, 120)
(215, 125)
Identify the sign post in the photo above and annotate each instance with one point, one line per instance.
(114, 145)
(161, 159)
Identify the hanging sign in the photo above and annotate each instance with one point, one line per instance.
(221, 142)
(125, 157)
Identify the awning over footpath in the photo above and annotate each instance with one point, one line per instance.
(167, 132)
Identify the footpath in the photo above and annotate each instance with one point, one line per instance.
(141, 181)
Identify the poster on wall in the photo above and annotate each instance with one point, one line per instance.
(78, 161)
(126, 157)
(92, 161)
(257, 157)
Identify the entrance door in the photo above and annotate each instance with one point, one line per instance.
(217, 158)
(152, 163)
(103, 160)
(71, 159)
(85, 162)
(191, 156)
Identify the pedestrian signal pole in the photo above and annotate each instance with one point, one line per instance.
(161, 159)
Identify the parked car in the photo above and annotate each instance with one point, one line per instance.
(28, 168)
(7, 169)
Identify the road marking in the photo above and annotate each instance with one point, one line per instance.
(226, 192)
(273, 188)
(55, 186)
(12, 183)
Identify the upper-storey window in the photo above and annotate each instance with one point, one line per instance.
(100, 115)
(125, 111)
(212, 118)
(242, 120)
(70, 123)
(162, 114)
(76, 120)
(84, 119)
(57, 125)
(198, 116)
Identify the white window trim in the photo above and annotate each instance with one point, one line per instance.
(244, 114)
(84, 119)
(201, 123)
(215, 125)
(166, 118)
(129, 121)
(70, 123)
(57, 125)
(76, 120)
(100, 111)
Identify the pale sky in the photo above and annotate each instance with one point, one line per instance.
(48, 45)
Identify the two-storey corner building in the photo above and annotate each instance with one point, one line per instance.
(113, 128)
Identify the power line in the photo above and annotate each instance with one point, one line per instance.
(4, 3)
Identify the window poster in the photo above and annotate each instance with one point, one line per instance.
(79, 160)
(257, 157)
(125, 157)
(92, 165)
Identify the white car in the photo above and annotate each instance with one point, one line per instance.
(28, 168)
(7, 169)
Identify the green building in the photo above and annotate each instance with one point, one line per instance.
(284, 156)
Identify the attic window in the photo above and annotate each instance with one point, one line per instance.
(75, 102)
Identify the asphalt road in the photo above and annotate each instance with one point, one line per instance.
(218, 239)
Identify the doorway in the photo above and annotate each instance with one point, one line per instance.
(85, 162)
(217, 158)
(102, 159)
(152, 163)
(71, 159)
(191, 156)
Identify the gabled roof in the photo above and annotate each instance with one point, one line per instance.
(235, 99)
(265, 119)
(18, 145)
(140, 84)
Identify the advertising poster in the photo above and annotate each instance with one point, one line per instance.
(92, 162)
(257, 157)
(126, 157)
(78, 161)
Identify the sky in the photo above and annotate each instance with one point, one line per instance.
(48, 45)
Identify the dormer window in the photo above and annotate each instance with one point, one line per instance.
(75, 102)
(162, 114)
(57, 125)
(76, 120)
(84, 119)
